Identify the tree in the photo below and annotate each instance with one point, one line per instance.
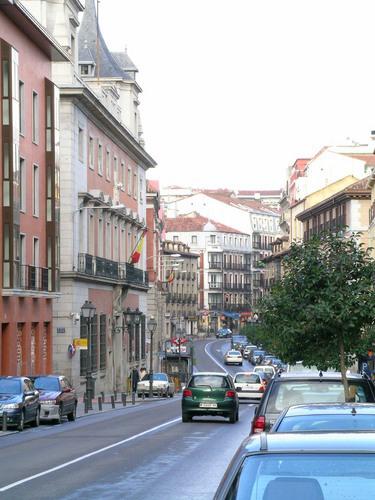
(323, 308)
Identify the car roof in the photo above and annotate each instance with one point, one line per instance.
(317, 376)
(222, 374)
(306, 442)
(331, 409)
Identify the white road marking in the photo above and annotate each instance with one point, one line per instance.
(213, 359)
(88, 455)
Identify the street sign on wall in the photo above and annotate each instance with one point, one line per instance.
(81, 343)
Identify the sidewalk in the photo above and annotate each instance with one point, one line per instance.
(106, 407)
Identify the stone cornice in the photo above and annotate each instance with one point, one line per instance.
(103, 119)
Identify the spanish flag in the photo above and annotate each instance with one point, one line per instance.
(136, 254)
(170, 277)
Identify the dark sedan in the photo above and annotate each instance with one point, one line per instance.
(289, 466)
(57, 397)
(19, 400)
(326, 417)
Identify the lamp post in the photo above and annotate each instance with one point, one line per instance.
(179, 332)
(88, 312)
(132, 318)
(152, 324)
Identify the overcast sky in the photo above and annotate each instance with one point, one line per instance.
(235, 90)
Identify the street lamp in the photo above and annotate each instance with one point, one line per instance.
(88, 312)
(179, 332)
(152, 324)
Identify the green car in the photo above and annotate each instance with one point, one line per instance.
(210, 393)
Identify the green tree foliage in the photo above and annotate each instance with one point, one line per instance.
(323, 308)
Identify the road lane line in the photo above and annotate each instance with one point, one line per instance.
(88, 455)
(213, 359)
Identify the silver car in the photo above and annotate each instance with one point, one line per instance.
(250, 385)
(161, 383)
(233, 358)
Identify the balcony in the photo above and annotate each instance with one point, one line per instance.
(237, 307)
(237, 287)
(237, 266)
(109, 269)
(30, 277)
(215, 265)
(215, 286)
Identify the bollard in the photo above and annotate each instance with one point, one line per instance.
(113, 401)
(123, 398)
(143, 394)
(86, 403)
(115, 395)
(102, 393)
(5, 421)
(133, 398)
(100, 403)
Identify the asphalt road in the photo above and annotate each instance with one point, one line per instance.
(143, 452)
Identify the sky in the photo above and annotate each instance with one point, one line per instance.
(235, 91)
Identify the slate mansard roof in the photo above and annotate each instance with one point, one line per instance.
(111, 65)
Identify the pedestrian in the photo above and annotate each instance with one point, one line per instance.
(135, 379)
(142, 373)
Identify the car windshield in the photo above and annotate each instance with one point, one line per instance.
(157, 376)
(318, 476)
(211, 380)
(295, 392)
(319, 423)
(8, 386)
(247, 378)
(47, 384)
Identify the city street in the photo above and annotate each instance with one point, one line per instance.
(142, 452)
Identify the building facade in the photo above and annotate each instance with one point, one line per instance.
(29, 215)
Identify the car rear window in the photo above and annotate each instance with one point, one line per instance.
(208, 380)
(247, 378)
(295, 392)
(47, 384)
(320, 423)
(234, 353)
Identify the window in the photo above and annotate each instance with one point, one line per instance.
(102, 342)
(212, 239)
(115, 243)
(129, 181)
(36, 190)
(140, 189)
(108, 241)
(123, 175)
(91, 153)
(100, 159)
(135, 186)
(35, 118)
(22, 107)
(36, 252)
(80, 144)
(194, 240)
(22, 248)
(100, 238)
(175, 238)
(73, 47)
(22, 185)
(108, 165)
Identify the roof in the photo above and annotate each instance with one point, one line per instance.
(315, 375)
(368, 159)
(357, 189)
(108, 64)
(240, 203)
(124, 61)
(197, 223)
(269, 192)
(330, 408)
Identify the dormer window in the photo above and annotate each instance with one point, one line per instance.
(87, 69)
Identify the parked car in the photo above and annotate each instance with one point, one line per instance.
(247, 351)
(257, 356)
(57, 397)
(326, 417)
(288, 466)
(223, 333)
(20, 400)
(210, 393)
(161, 382)
(289, 389)
(233, 358)
(268, 370)
(250, 385)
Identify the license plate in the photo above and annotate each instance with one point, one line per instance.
(208, 405)
(250, 388)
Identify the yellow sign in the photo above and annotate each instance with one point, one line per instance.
(81, 343)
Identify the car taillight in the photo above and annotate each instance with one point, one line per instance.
(230, 394)
(187, 393)
(261, 388)
(259, 424)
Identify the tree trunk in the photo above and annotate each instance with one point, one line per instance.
(343, 369)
